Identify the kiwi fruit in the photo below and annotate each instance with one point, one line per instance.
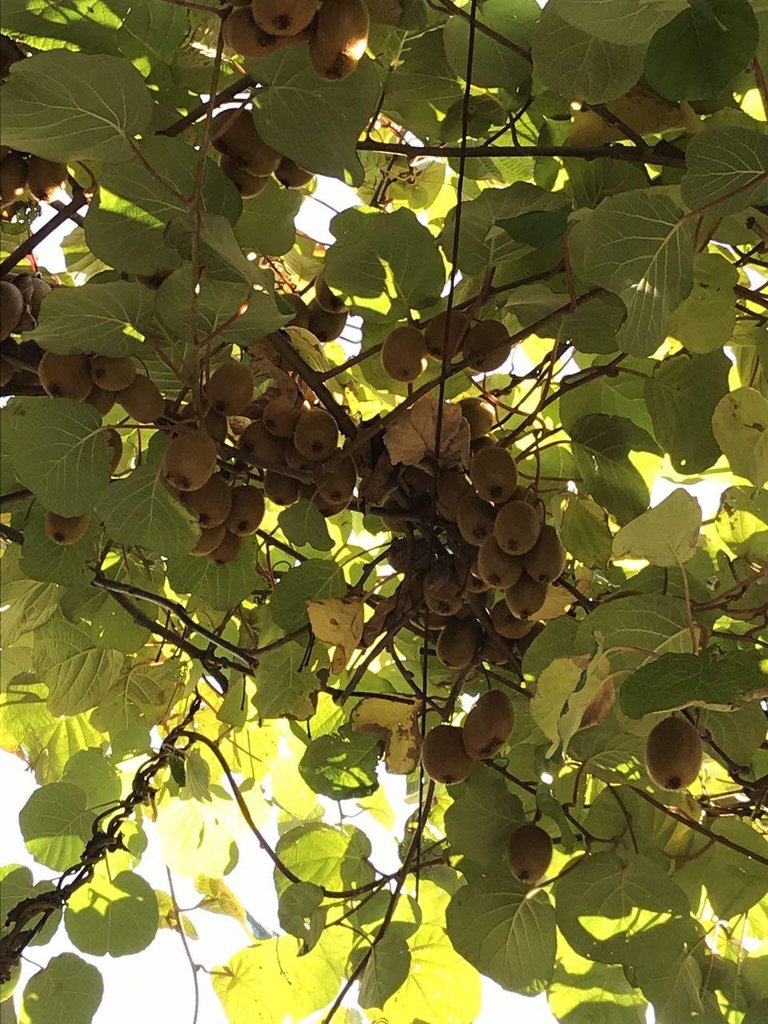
(7, 371)
(215, 425)
(142, 400)
(486, 346)
(39, 289)
(230, 387)
(316, 435)
(11, 308)
(101, 400)
(209, 540)
(228, 549)
(673, 753)
(66, 530)
(494, 474)
(115, 442)
(325, 298)
(475, 518)
(452, 486)
(404, 354)
(13, 177)
(508, 625)
(517, 527)
(324, 325)
(479, 415)
(444, 333)
(259, 446)
(495, 566)
(459, 642)
(444, 757)
(211, 502)
(281, 414)
(281, 489)
(529, 854)
(66, 376)
(546, 559)
(45, 177)
(291, 175)
(328, 508)
(246, 183)
(283, 17)
(235, 135)
(189, 460)
(525, 597)
(340, 39)
(443, 594)
(293, 458)
(302, 310)
(488, 725)
(247, 510)
(339, 485)
(243, 35)
(113, 374)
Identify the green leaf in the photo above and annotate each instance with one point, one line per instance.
(115, 916)
(141, 696)
(740, 424)
(77, 673)
(74, 106)
(706, 319)
(581, 990)
(506, 933)
(734, 882)
(341, 766)
(285, 686)
(101, 318)
(303, 524)
(621, 395)
(95, 775)
(310, 581)
(681, 680)
(681, 398)
(583, 529)
(537, 228)
(67, 989)
(56, 823)
(494, 65)
(479, 821)
(43, 559)
(601, 445)
(619, 20)
(60, 453)
(702, 49)
(386, 970)
(726, 169)
(742, 523)
(424, 87)
(266, 224)
(333, 858)
(220, 586)
(639, 245)
(579, 65)
(666, 534)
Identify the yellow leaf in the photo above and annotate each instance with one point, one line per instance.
(399, 720)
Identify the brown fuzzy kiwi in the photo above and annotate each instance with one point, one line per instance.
(142, 400)
(673, 753)
(102, 401)
(443, 594)
(328, 508)
(508, 625)
(283, 17)
(479, 414)
(211, 502)
(444, 757)
(189, 460)
(486, 346)
(488, 725)
(302, 310)
(45, 177)
(13, 177)
(281, 414)
(529, 853)
(115, 442)
(316, 435)
(243, 35)
(235, 135)
(452, 486)
(475, 518)
(325, 326)
(291, 175)
(40, 289)
(257, 445)
(525, 597)
(281, 489)
(215, 425)
(340, 39)
(339, 485)
(227, 551)
(209, 540)
(247, 510)
(113, 374)
(246, 183)
(445, 333)
(66, 376)
(325, 298)
(292, 457)
(11, 308)
(458, 642)
(65, 530)
(230, 388)
(494, 474)
(404, 354)
(496, 567)
(517, 527)
(546, 559)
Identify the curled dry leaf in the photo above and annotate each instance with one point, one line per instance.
(338, 621)
(410, 439)
(399, 721)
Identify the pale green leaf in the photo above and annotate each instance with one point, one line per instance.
(102, 318)
(115, 916)
(666, 534)
(68, 990)
(740, 424)
(56, 823)
(726, 169)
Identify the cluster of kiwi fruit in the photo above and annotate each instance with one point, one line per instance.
(483, 346)
(336, 30)
(20, 298)
(246, 159)
(325, 315)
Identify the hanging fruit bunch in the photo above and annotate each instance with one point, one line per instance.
(247, 160)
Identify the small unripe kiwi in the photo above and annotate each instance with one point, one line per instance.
(66, 376)
(245, 181)
(443, 594)
(459, 642)
(530, 853)
(444, 757)
(283, 17)
(142, 400)
(486, 346)
(325, 326)
(45, 177)
(526, 596)
(404, 354)
(189, 460)
(291, 175)
(546, 559)
(113, 374)
(479, 414)
(508, 625)
(211, 502)
(488, 725)
(496, 567)
(247, 511)
(316, 435)
(673, 753)
(445, 333)
(340, 38)
(209, 540)
(494, 474)
(475, 518)
(227, 551)
(282, 490)
(11, 308)
(230, 388)
(259, 446)
(452, 486)
(517, 527)
(66, 530)
(281, 414)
